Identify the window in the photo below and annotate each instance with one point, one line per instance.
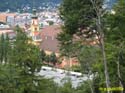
(35, 29)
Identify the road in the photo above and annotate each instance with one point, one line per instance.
(61, 76)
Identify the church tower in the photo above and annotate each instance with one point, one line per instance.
(35, 30)
(34, 22)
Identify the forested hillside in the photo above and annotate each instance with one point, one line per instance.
(13, 5)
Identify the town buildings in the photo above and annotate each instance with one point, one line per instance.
(42, 27)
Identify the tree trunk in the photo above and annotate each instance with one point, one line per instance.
(92, 91)
(101, 41)
(119, 74)
(105, 65)
(90, 82)
(102, 46)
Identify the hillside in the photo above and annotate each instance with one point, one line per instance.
(13, 5)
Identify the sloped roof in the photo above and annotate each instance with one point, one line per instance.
(51, 30)
(49, 41)
(49, 44)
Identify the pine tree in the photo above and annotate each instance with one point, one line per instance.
(25, 54)
(83, 21)
(43, 55)
(53, 58)
(115, 37)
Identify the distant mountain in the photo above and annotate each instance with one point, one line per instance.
(13, 5)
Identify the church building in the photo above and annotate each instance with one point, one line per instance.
(35, 30)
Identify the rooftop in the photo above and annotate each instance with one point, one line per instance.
(3, 16)
(49, 41)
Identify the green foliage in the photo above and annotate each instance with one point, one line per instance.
(53, 58)
(47, 59)
(115, 37)
(66, 43)
(47, 86)
(24, 54)
(79, 21)
(12, 80)
(76, 68)
(43, 55)
(51, 23)
(76, 14)
(4, 48)
(84, 88)
(81, 14)
(66, 88)
(22, 61)
(88, 56)
(8, 75)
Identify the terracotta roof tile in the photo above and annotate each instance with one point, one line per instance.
(49, 41)
(51, 30)
(50, 44)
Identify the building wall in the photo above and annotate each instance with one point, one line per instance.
(35, 25)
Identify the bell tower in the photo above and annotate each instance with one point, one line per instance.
(34, 22)
(34, 29)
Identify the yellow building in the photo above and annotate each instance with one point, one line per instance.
(35, 30)
(35, 22)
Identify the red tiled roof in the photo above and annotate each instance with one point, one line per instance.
(49, 44)
(49, 41)
(51, 30)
